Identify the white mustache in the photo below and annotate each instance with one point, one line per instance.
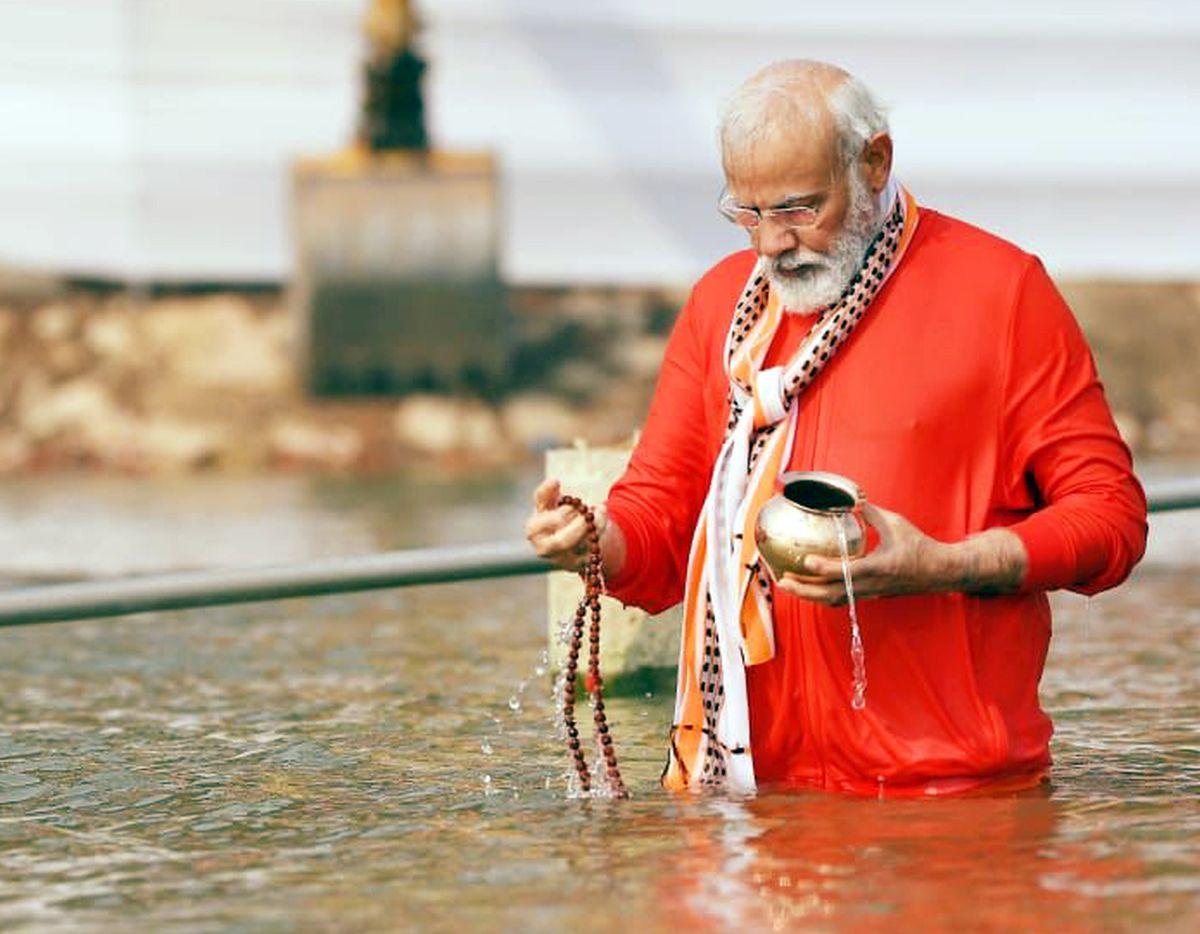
(793, 261)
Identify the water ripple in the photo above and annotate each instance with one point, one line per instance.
(321, 762)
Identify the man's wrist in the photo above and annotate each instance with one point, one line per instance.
(612, 549)
(988, 564)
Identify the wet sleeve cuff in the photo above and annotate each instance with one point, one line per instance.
(625, 585)
(1051, 561)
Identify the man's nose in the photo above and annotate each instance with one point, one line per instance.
(774, 238)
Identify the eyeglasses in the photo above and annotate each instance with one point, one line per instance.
(750, 218)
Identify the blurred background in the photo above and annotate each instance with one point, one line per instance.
(153, 140)
(345, 235)
(290, 279)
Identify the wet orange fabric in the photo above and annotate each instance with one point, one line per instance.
(966, 399)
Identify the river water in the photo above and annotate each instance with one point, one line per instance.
(354, 763)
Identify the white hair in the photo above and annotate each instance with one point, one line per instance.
(780, 99)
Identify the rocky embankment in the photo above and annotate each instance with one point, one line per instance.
(113, 380)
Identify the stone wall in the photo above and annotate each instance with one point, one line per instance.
(94, 378)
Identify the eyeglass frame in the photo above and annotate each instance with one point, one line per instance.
(728, 208)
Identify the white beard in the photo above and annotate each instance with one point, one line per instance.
(826, 275)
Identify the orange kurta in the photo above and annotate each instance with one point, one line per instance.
(966, 399)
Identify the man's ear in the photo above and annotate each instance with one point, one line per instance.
(877, 161)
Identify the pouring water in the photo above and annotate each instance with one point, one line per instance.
(858, 659)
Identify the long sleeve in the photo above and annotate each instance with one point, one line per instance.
(657, 501)
(1088, 527)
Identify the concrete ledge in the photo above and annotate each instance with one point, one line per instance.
(638, 652)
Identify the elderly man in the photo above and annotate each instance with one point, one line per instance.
(938, 367)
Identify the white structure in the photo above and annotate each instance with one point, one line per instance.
(151, 139)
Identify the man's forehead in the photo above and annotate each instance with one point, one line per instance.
(781, 169)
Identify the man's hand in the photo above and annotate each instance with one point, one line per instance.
(559, 533)
(908, 561)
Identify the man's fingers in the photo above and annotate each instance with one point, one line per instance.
(794, 578)
(818, 568)
(559, 533)
(545, 525)
(547, 493)
(821, 567)
(828, 594)
(882, 521)
(862, 570)
(548, 522)
(565, 539)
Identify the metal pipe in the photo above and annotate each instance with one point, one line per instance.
(91, 599)
(1169, 495)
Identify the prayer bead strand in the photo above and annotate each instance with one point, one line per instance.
(589, 605)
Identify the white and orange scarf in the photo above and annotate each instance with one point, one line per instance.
(727, 621)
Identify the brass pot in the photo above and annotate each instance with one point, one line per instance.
(804, 517)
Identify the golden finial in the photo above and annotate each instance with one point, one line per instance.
(390, 25)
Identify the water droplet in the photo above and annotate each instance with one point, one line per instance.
(514, 704)
(540, 671)
(486, 747)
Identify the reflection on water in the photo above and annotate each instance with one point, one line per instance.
(324, 762)
(97, 525)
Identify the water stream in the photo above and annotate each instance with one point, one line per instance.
(858, 699)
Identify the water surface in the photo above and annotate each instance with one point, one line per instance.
(321, 764)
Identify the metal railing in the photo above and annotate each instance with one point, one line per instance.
(92, 599)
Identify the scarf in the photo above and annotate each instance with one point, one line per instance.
(727, 620)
